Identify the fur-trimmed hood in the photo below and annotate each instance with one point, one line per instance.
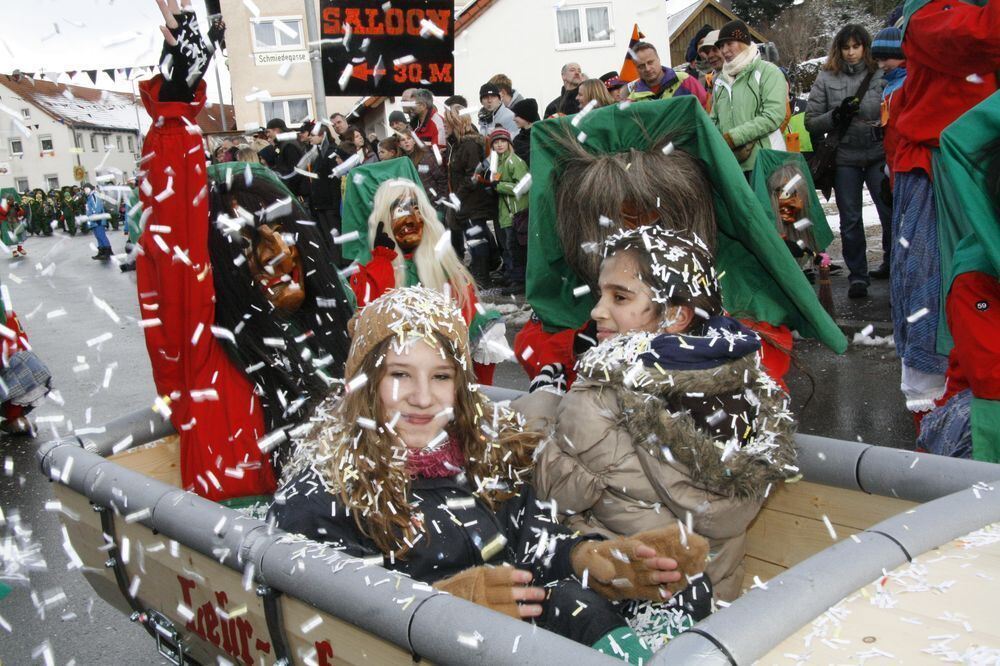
(728, 424)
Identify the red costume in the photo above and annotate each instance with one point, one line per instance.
(213, 405)
(10, 347)
(973, 310)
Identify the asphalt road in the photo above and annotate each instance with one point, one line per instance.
(64, 299)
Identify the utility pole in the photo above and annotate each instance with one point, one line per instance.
(316, 59)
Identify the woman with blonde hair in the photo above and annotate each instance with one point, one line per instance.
(594, 90)
(405, 239)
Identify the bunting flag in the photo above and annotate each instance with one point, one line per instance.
(629, 72)
(115, 74)
(110, 73)
(92, 73)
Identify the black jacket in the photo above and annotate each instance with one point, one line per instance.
(324, 191)
(566, 103)
(522, 145)
(287, 156)
(461, 531)
(477, 202)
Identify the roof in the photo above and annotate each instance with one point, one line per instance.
(470, 13)
(678, 12)
(81, 107)
(684, 14)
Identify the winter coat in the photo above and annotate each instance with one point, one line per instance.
(287, 156)
(522, 145)
(952, 56)
(752, 108)
(324, 189)
(433, 176)
(512, 169)
(630, 410)
(502, 116)
(95, 207)
(431, 131)
(862, 144)
(463, 157)
(565, 104)
(672, 84)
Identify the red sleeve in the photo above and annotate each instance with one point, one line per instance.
(956, 38)
(375, 277)
(692, 84)
(18, 343)
(775, 350)
(219, 431)
(535, 347)
(973, 309)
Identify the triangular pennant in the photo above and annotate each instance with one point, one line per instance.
(92, 73)
(111, 74)
(71, 73)
(629, 72)
(128, 72)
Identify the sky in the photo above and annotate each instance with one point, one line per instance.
(65, 35)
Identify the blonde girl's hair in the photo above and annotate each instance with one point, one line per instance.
(367, 467)
(435, 269)
(458, 123)
(595, 89)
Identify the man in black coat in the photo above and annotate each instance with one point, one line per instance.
(566, 104)
(324, 188)
(288, 153)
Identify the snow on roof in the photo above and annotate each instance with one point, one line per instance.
(679, 11)
(79, 106)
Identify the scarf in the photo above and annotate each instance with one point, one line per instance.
(437, 463)
(732, 69)
(894, 81)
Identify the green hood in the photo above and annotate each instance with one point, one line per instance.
(968, 224)
(359, 197)
(760, 278)
(769, 161)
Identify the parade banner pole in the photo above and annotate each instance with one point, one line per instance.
(316, 59)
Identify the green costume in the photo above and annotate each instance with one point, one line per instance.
(133, 216)
(969, 235)
(759, 277)
(12, 231)
(68, 209)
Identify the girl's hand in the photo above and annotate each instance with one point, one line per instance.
(185, 55)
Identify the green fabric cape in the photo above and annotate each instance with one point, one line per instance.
(968, 236)
(359, 197)
(760, 278)
(769, 161)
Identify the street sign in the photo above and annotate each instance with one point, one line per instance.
(372, 47)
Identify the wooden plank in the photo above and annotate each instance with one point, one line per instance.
(785, 539)
(850, 508)
(160, 460)
(757, 567)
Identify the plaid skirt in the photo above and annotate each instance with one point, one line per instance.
(25, 380)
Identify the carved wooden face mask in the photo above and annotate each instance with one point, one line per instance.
(407, 223)
(277, 267)
(633, 218)
(790, 207)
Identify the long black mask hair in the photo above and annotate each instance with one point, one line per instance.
(292, 359)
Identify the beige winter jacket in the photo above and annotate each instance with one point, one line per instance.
(592, 466)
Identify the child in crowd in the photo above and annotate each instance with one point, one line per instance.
(513, 196)
(671, 418)
(417, 469)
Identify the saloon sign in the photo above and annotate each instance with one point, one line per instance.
(372, 47)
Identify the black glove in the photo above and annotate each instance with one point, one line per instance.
(184, 64)
(217, 33)
(585, 339)
(382, 239)
(845, 113)
(794, 248)
(551, 377)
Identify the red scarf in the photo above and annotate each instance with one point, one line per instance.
(437, 463)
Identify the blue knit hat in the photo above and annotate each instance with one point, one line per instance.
(888, 43)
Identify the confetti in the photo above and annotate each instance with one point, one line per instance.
(918, 315)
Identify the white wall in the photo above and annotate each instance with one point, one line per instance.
(518, 38)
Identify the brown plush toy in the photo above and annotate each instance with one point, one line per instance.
(613, 568)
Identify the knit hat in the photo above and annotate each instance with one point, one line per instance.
(413, 313)
(682, 264)
(526, 109)
(888, 43)
(499, 133)
(488, 89)
(711, 39)
(397, 117)
(692, 50)
(734, 31)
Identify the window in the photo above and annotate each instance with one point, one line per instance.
(78, 140)
(584, 26)
(131, 144)
(276, 34)
(45, 143)
(25, 113)
(16, 147)
(52, 181)
(21, 184)
(118, 142)
(292, 111)
(106, 140)
(93, 142)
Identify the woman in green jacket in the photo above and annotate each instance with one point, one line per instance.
(749, 98)
(513, 214)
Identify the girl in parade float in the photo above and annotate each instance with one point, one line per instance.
(416, 469)
(243, 314)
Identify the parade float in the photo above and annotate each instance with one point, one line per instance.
(873, 551)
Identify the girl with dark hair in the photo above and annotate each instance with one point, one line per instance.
(671, 418)
(455, 505)
(244, 315)
(433, 174)
(847, 98)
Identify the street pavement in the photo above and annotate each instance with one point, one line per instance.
(81, 317)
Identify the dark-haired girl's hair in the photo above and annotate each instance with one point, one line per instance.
(851, 31)
(290, 358)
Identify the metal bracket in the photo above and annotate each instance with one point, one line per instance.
(169, 643)
(275, 624)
